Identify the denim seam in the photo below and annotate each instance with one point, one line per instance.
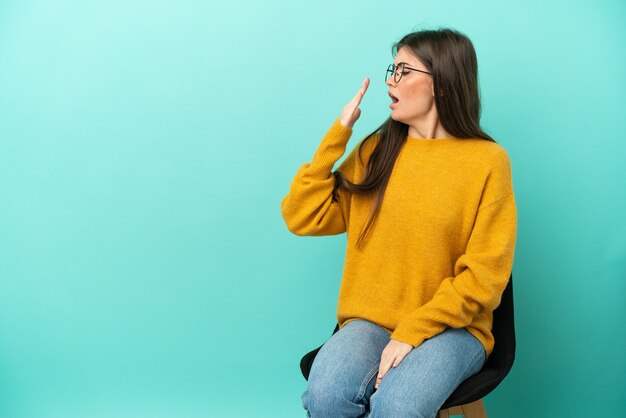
(365, 383)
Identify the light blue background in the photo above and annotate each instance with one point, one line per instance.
(145, 146)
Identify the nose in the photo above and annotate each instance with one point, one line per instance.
(390, 80)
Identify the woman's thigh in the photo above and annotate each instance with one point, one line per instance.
(344, 371)
(427, 376)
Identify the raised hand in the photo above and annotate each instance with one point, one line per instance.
(351, 111)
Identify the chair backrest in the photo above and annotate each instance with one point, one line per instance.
(495, 369)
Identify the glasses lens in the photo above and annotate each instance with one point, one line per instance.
(398, 73)
(389, 71)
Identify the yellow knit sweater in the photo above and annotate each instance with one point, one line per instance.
(440, 252)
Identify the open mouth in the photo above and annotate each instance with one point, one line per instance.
(394, 99)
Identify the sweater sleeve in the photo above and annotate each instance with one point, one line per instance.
(308, 208)
(481, 273)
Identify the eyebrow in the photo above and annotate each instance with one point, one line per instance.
(406, 63)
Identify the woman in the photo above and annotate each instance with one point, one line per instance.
(427, 202)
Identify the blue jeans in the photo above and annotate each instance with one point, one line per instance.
(343, 374)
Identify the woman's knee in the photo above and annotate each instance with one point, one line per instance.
(326, 397)
(338, 390)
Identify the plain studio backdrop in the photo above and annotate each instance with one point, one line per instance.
(145, 147)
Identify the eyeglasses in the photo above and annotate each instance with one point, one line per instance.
(397, 75)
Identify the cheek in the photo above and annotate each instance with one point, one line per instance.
(419, 98)
(420, 90)
(417, 91)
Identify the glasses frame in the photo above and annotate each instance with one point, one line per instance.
(393, 69)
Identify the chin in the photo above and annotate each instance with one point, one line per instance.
(396, 118)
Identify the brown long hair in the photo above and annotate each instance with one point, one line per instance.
(450, 56)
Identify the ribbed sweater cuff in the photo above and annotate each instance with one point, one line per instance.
(331, 148)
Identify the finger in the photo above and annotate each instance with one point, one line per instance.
(359, 95)
(363, 88)
(381, 373)
(378, 382)
(397, 358)
(384, 368)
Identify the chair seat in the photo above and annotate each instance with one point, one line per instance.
(474, 388)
